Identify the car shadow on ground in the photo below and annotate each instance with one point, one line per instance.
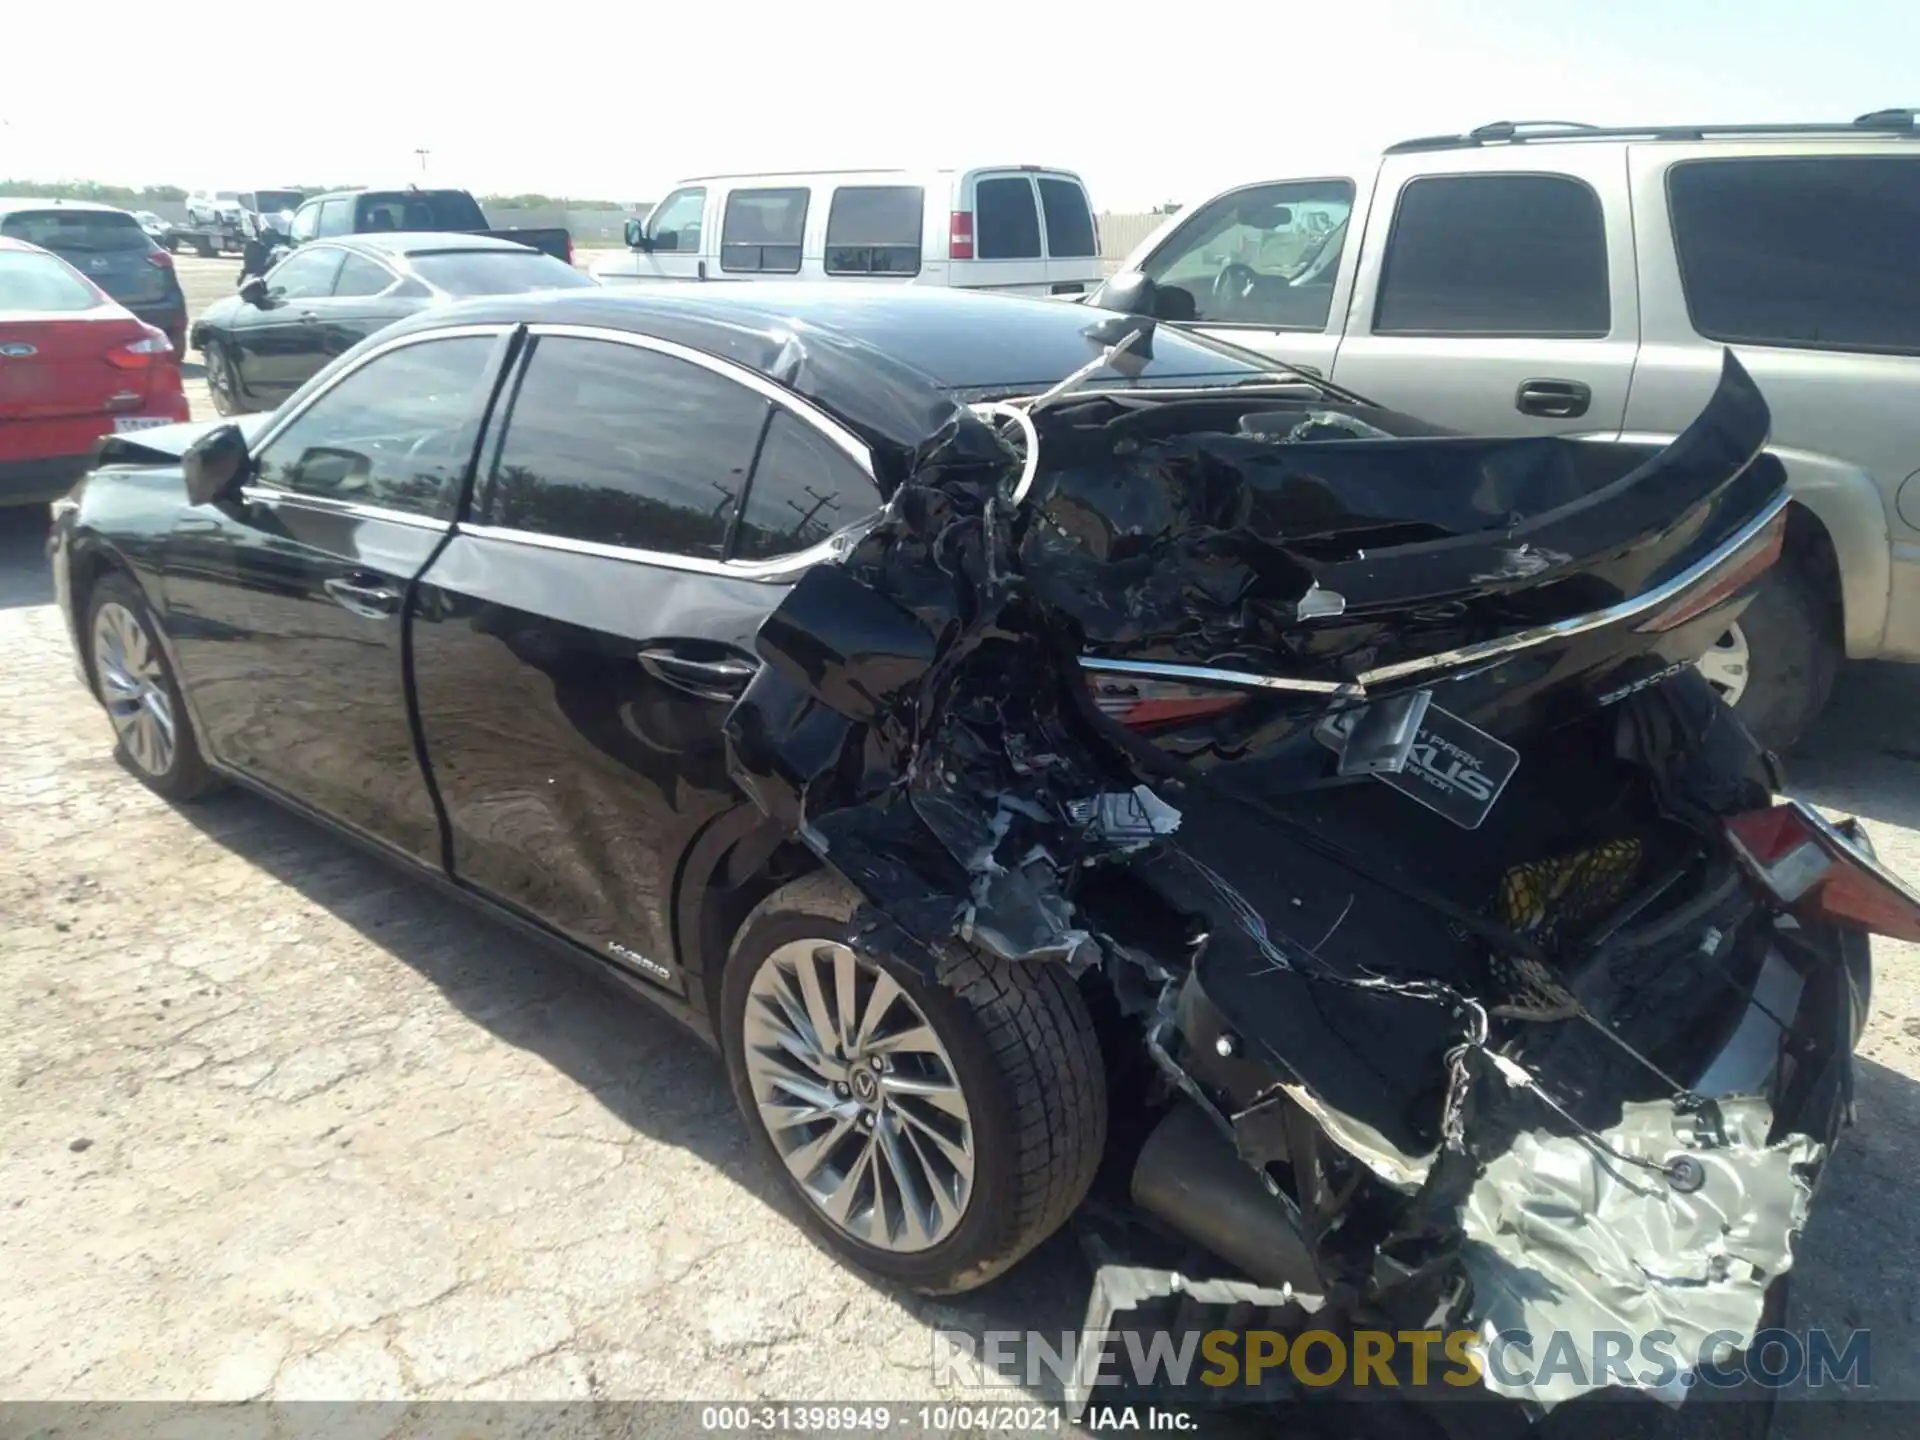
(641, 1065)
(1863, 755)
(26, 576)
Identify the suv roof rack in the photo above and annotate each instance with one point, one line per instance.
(1519, 132)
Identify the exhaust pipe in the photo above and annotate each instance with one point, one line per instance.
(1189, 1177)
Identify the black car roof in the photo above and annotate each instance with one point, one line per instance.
(889, 359)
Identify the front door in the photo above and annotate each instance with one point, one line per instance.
(677, 231)
(276, 346)
(288, 604)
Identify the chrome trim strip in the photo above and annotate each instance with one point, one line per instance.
(801, 408)
(1564, 629)
(785, 570)
(1147, 669)
(283, 418)
(1466, 654)
(324, 505)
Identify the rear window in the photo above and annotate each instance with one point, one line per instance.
(1069, 220)
(40, 282)
(762, 229)
(271, 202)
(1815, 254)
(420, 210)
(496, 272)
(92, 231)
(1006, 223)
(875, 230)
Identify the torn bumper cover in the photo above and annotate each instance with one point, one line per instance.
(1097, 726)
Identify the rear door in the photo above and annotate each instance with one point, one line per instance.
(996, 240)
(287, 606)
(1497, 300)
(363, 301)
(580, 642)
(1071, 237)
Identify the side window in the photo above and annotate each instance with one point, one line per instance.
(674, 225)
(623, 446)
(397, 433)
(306, 224)
(1520, 255)
(361, 276)
(1266, 255)
(336, 218)
(762, 229)
(305, 274)
(804, 489)
(875, 230)
(1069, 219)
(1006, 223)
(1817, 254)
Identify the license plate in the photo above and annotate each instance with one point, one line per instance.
(1452, 768)
(124, 423)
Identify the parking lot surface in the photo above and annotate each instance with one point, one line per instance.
(277, 1122)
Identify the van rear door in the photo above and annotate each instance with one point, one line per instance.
(1071, 235)
(995, 241)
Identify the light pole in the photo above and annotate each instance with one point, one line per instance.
(423, 159)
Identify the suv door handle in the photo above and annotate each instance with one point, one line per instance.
(709, 679)
(1553, 399)
(363, 596)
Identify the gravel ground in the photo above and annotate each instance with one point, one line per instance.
(274, 1122)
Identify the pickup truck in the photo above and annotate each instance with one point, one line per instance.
(361, 212)
(1539, 279)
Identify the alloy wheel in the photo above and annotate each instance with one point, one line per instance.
(859, 1095)
(132, 686)
(1728, 666)
(220, 384)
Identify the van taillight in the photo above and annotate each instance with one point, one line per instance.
(1151, 704)
(960, 236)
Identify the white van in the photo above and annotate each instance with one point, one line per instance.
(1028, 229)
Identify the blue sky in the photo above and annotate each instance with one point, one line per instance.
(619, 98)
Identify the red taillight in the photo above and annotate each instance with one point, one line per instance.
(960, 236)
(152, 348)
(1154, 704)
(160, 260)
(569, 249)
(1735, 572)
(1815, 872)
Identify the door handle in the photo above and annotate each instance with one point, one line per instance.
(709, 679)
(308, 317)
(1553, 399)
(364, 597)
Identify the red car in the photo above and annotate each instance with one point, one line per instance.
(74, 365)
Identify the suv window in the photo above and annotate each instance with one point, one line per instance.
(804, 489)
(674, 225)
(361, 276)
(1813, 253)
(306, 274)
(875, 230)
(762, 229)
(1521, 255)
(1069, 220)
(1266, 255)
(623, 446)
(1006, 223)
(336, 218)
(396, 433)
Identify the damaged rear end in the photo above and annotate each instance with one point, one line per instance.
(1458, 970)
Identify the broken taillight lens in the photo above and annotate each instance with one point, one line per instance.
(1154, 704)
(1816, 872)
(1738, 570)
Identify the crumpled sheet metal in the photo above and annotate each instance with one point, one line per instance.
(1562, 1237)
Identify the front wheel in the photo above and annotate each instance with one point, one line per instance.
(223, 385)
(932, 1132)
(142, 698)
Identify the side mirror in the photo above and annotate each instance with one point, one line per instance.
(216, 464)
(637, 235)
(1130, 292)
(253, 290)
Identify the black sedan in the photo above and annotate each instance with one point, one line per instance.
(265, 342)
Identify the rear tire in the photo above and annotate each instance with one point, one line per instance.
(1020, 1059)
(136, 685)
(1793, 657)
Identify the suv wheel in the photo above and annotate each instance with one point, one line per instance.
(1777, 665)
(932, 1132)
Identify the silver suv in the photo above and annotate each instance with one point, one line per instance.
(1559, 278)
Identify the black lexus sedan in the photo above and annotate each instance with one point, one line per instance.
(480, 596)
(265, 342)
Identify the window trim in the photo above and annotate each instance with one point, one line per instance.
(1393, 232)
(1262, 327)
(780, 568)
(799, 260)
(1680, 259)
(827, 246)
